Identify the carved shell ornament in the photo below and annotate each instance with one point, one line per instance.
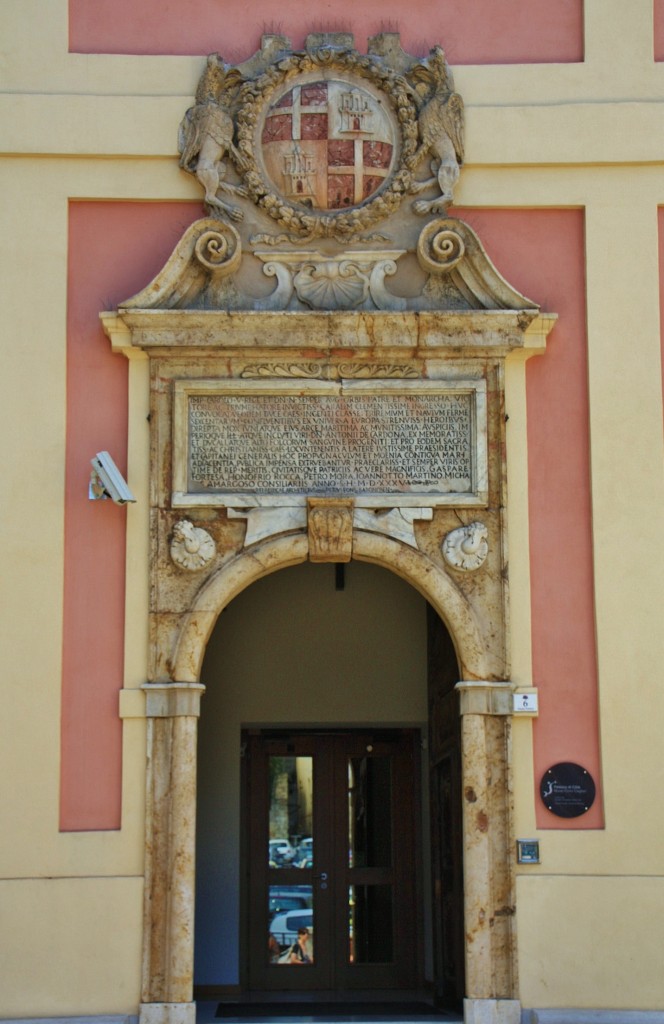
(192, 547)
(326, 141)
(332, 284)
(466, 547)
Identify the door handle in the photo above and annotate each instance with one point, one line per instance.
(322, 878)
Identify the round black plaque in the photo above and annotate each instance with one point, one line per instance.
(567, 790)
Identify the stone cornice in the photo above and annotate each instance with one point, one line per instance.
(461, 333)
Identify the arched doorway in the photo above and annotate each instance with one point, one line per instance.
(172, 709)
(331, 664)
(202, 345)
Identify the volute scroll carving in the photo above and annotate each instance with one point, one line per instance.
(219, 250)
(440, 247)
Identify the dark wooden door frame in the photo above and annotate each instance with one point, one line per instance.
(331, 970)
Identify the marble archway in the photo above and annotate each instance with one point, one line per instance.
(172, 709)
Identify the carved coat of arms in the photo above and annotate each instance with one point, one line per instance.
(328, 145)
(326, 141)
(360, 151)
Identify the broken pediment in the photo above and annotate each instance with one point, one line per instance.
(447, 270)
(327, 176)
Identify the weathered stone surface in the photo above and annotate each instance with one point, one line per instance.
(192, 547)
(466, 547)
(488, 867)
(168, 944)
(330, 529)
(491, 1011)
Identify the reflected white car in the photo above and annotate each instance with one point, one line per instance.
(280, 851)
(284, 926)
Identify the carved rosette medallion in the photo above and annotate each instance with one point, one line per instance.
(466, 547)
(192, 548)
(330, 528)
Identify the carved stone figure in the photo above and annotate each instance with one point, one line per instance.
(206, 135)
(441, 124)
(192, 547)
(466, 547)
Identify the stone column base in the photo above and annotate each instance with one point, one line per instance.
(167, 1013)
(491, 1011)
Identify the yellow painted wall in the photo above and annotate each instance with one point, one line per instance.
(588, 135)
(70, 946)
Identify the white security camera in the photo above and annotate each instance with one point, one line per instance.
(106, 481)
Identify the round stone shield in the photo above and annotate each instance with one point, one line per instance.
(327, 141)
(328, 144)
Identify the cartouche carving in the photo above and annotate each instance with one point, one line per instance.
(192, 547)
(206, 132)
(466, 547)
(349, 280)
(326, 142)
(332, 211)
(330, 528)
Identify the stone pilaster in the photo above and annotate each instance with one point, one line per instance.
(488, 873)
(172, 710)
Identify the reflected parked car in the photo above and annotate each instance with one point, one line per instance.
(284, 926)
(280, 853)
(304, 855)
(289, 897)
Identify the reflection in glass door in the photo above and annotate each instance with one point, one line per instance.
(290, 845)
(331, 868)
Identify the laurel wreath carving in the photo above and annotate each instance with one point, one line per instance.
(255, 97)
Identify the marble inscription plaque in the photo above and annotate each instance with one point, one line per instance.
(288, 445)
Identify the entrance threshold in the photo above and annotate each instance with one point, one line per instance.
(325, 1008)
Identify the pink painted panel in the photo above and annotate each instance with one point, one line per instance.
(114, 249)
(658, 15)
(472, 31)
(104, 268)
(541, 252)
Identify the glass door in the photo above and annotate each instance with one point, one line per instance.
(331, 879)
